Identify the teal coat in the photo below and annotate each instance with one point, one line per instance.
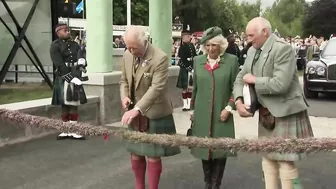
(211, 94)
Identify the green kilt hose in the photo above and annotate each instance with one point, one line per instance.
(182, 80)
(292, 126)
(165, 125)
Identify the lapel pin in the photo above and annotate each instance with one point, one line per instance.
(145, 63)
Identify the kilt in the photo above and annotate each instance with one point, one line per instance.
(182, 80)
(293, 126)
(165, 125)
(59, 94)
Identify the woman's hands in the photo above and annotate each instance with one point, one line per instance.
(192, 116)
(224, 116)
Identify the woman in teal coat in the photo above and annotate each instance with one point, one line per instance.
(214, 74)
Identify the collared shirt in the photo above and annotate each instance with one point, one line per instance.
(143, 55)
(212, 62)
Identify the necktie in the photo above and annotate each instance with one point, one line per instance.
(136, 64)
(256, 56)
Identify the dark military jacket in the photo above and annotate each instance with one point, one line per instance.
(63, 53)
(186, 52)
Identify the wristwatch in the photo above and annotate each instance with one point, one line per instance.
(228, 108)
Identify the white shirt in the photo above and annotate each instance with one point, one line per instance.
(212, 62)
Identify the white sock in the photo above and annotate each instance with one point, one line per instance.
(185, 103)
(188, 106)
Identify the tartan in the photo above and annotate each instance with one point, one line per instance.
(293, 126)
(165, 125)
(182, 80)
(58, 92)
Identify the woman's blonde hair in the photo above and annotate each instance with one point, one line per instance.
(217, 40)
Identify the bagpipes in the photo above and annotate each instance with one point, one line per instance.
(78, 92)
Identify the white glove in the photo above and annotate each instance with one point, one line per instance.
(81, 61)
(76, 81)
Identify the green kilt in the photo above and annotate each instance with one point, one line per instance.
(165, 125)
(292, 126)
(182, 80)
(58, 92)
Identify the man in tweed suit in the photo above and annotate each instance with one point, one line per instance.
(270, 66)
(144, 93)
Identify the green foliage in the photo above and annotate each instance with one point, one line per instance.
(287, 16)
(319, 19)
(139, 12)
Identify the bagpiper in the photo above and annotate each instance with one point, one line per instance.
(69, 60)
(186, 54)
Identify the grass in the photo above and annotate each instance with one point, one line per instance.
(23, 92)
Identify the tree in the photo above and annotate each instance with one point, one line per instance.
(251, 10)
(287, 16)
(139, 12)
(320, 19)
(199, 14)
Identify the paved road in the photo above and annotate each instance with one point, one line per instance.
(324, 106)
(97, 164)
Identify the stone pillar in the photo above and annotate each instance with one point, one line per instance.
(99, 35)
(160, 24)
(103, 82)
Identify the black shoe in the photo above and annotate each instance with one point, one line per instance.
(217, 172)
(207, 165)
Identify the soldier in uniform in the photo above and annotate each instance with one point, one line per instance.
(186, 53)
(68, 59)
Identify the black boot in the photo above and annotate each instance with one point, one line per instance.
(207, 165)
(218, 167)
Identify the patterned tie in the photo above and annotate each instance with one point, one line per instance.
(256, 56)
(136, 64)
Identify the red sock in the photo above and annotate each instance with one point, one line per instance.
(65, 117)
(139, 170)
(184, 95)
(73, 117)
(154, 173)
(189, 94)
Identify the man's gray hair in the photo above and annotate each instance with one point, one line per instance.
(265, 24)
(138, 32)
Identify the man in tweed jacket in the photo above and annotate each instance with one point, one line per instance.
(270, 66)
